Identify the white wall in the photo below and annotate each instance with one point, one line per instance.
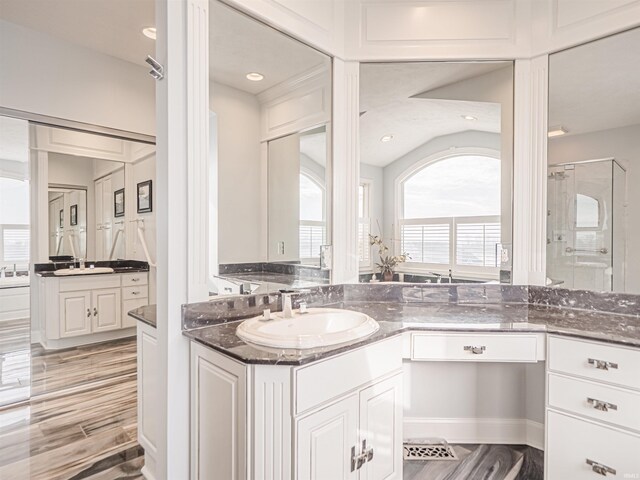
(45, 75)
(283, 188)
(624, 145)
(143, 170)
(240, 181)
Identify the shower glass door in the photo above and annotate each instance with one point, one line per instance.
(585, 225)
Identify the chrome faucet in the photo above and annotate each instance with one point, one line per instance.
(3, 271)
(450, 276)
(287, 310)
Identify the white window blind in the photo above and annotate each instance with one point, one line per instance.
(15, 244)
(312, 236)
(477, 244)
(364, 249)
(426, 243)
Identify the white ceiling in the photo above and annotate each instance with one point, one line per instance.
(596, 86)
(239, 45)
(386, 99)
(112, 27)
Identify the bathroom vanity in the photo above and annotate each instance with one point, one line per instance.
(82, 308)
(343, 411)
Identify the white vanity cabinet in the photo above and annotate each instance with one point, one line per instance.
(593, 410)
(148, 395)
(84, 309)
(338, 418)
(358, 437)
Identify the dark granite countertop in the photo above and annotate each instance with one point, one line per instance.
(270, 282)
(119, 266)
(146, 314)
(395, 318)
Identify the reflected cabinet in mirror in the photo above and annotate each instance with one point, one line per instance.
(436, 160)
(593, 203)
(270, 123)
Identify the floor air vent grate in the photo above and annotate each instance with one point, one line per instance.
(429, 450)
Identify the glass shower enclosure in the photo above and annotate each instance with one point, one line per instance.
(586, 225)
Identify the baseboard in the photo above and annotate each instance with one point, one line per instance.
(149, 469)
(507, 431)
(57, 344)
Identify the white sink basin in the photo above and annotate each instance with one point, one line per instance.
(78, 271)
(319, 327)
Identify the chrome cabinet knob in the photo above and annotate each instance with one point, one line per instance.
(600, 469)
(88, 313)
(602, 364)
(95, 312)
(475, 349)
(601, 405)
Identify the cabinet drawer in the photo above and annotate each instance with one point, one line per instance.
(588, 399)
(597, 361)
(328, 379)
(131, 293)
(465, 347)
(571, 443)
(89, 282)
(132, 279)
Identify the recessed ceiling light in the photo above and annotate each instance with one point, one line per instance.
(149, 32)
(556, 131)
(386, 138)
(255, 76)
(469, 117)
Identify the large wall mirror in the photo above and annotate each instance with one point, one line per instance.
(270, 124)
(593, 233)
(436, 157)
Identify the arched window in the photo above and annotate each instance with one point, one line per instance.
(449, 217)
(312, 216)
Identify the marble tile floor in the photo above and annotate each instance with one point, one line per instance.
(80, 422)
(15, 360)
(481, 462)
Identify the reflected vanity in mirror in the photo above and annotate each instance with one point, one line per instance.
(436, 161)
(593, 155)
(67, 222)
(270, 118)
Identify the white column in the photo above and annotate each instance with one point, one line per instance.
(182, 146)
(530, 171)
(345, 170)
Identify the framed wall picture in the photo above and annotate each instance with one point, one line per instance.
(145, 197)
(73, 215)
(61, 219)
(118, 203)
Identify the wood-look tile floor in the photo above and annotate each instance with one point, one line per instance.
(480, 462)
(80, 422)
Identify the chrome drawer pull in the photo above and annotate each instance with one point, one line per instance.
(600, 469)
(136, 279)
(475, 349)
(135, 293)
(88, 313)
(602, 364)
(95, 312)
(601, 405)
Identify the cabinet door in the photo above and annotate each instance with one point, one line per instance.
(381, 429)
(106, 309)
(325, 441)
(75, 313)
(127, 306)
